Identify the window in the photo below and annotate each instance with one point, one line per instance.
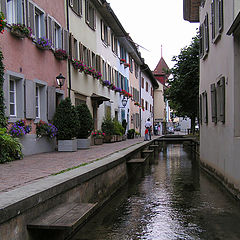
(131, 64)
(147, 86)
(204, 37)
(136, 70)
(204, 107)
(57, 36)
(150, 107)
(90, 15)
(12, 97)
(142, 82)
(123, 54)
(14, 11)
(114, 44)
(142, 102)
(93, 60)
(217, 18)
(105, 33)
(37, 102)
(75, 48)
(146, 105)
(37, 21)
(76, 6)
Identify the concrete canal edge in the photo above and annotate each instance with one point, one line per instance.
(93, 183)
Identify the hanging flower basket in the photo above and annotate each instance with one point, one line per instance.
(106, 83)
(43, 43)
(126, 65)
(122, 60)
(61, 54)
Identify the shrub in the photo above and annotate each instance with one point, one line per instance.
(66, 120)
(130, 133)
(124, 124)
(85, 121)
(20, 128)
(45, 129)
(10, 147)
(108, 126)
(118, 128)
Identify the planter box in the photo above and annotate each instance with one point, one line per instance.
(17, 33)
(83, 143)
(124, 137)
(119, 138)
(60, 56)
(67, 145)
(98, 141)
(42, 47)
(108, 139)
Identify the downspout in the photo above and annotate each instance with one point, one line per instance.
(69, 64)
(140, 100)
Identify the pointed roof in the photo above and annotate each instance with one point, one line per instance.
(161, 66)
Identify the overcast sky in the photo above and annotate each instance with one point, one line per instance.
(152, 23)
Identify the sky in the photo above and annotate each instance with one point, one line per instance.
(152, 23)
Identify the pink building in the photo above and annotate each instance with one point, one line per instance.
(30, 87)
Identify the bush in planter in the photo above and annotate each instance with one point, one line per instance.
(10, 147)
(85, 120)
(66, 120)
(124, 124)
(118, 128)
(108, 126)
(130, 133)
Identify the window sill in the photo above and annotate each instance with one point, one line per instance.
(90, 26)
(13, 119)
(104, 44)
(216, 39)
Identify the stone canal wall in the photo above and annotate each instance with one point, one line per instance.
(92, 183)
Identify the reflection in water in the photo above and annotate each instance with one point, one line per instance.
(172, 199)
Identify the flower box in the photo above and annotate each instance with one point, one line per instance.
(122, 60)
(98, 141)
(126, 65)
(67, 145)
(17, 33)
(60, 54)
(43, 43)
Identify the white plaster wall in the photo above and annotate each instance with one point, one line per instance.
(147, 97)
(159, 104)
(218, 146)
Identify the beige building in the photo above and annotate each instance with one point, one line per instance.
(219, 87)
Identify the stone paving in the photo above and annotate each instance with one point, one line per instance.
(31, 168)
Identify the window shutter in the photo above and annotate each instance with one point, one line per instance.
(80, 51)
(4, 8)
(205, 107)
(206, 34)
(89, 62)
(50, 28)
(31, 14)
(51, 102)
(102, 30)
(43, 26)
(213, 103)
(87, 11)
(65, 40)
(213, 19)
(200, 108)
(109, 37)
(71, 46)
(222, 99)
(6, 93)
(30, 98)
(220, 27)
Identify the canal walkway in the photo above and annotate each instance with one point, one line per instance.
(31, 168)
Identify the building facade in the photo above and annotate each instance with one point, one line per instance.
(30, 87)
(220, 90)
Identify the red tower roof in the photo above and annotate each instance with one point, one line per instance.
(160, 71)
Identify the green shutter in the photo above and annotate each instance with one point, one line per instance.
(213, 103)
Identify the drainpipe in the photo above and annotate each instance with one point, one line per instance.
(69, 64)
(140, 100)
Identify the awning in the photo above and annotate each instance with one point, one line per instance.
(98, 100)
(235, 27)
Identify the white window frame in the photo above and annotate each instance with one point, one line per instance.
(57, 36)
(14, 92)
(38, 102)
(12, 15)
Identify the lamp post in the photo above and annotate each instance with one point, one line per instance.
(60, 80)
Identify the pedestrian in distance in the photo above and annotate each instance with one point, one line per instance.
(148, 126)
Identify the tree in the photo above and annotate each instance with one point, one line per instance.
(85, 120)
(66, 120)
(183, 88)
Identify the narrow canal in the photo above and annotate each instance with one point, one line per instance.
(167, 200)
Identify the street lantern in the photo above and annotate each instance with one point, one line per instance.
(124, 101)
(60, 80)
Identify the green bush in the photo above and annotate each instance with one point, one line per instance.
(124, 124)
(10, 147)
(130, 133)
(108, 126)
(85, 120)
(118, 128)
(66, 120)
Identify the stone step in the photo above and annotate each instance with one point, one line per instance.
(67, 216)
(136, 160)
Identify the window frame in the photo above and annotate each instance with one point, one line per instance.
(15, 98)
(90, 15)
(217, 19)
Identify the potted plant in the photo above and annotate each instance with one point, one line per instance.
(126, 65)
(60, 54)
(43, 43)
(67, 122)
(44, 129)
(85, 128)
(118, 130)
(108, 129)
(122, 60)
(3, 22)
(78, 65)
(98, 137)
(130, 133)
(20, 30)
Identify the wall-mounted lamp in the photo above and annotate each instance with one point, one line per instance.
(60, 80)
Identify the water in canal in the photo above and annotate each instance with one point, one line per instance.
(167, 200)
